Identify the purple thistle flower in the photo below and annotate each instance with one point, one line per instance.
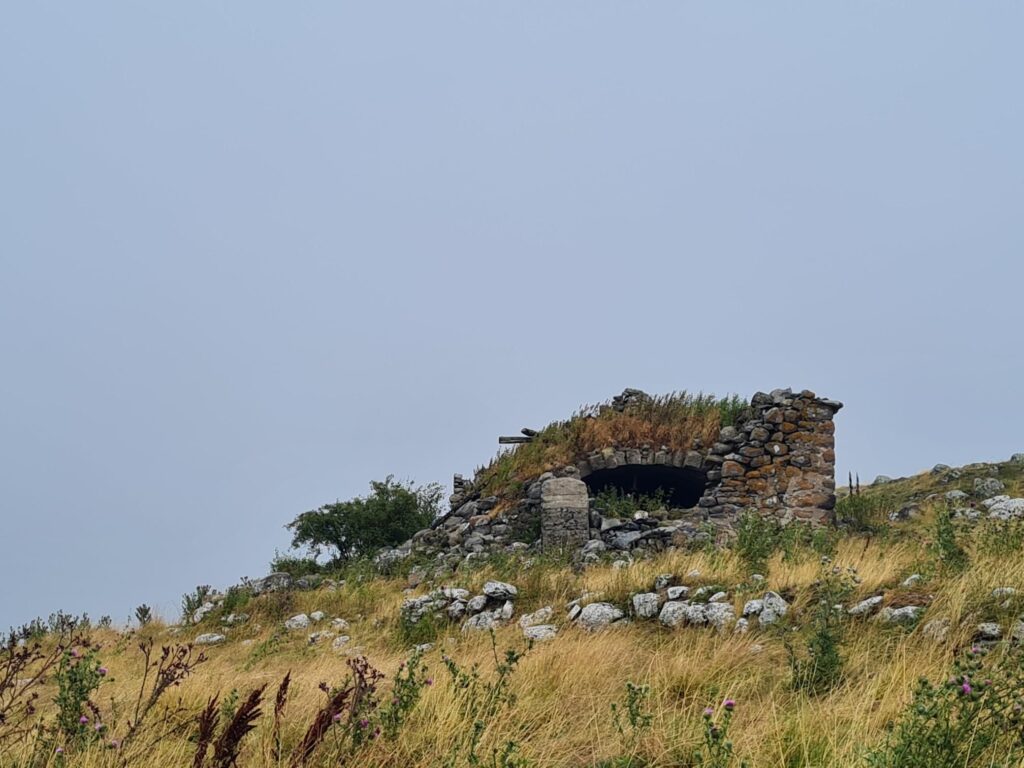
(114, 743)
(429, 681)
(99, 727)
(337, 717)
(59, 751)
(966, 688)
(83, 720)
(708, 711)
(102, 671)
(364, 723)
(729, 704)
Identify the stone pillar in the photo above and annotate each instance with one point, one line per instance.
(564, 514)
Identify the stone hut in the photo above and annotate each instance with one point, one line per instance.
(778, 458)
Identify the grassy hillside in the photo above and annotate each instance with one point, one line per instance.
(558, 705)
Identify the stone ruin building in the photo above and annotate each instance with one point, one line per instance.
(778, 459)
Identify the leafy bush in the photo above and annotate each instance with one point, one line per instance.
(973, 718)
(296, 566)
(143, 614)
(390, 515)
(861, 512)
(616, 503)
(193, 601)
(757, 537)
(950, 554)
(717, 749)
(820, 667)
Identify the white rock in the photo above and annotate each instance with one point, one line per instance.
(210, 638)
(753, 607)
(694, 574)
(339, 625)
(575, 611)
(317, 616)
(775, 607)
(742, 627)
(482, 621)
(505, 612)
(598, 616)
(540, 632)
(316, 637)
(456, 610)
(645, 605)
(299, 621)
(477, 604)
(719, 615)
(455, 593)
(423, 647)
(988, 630)
(1001, 592)
(340, 642)
(906, 615)
(673, 613)
(718, 597)
(539, 616)
(499, 590)
(911, 581)
(864, 607)
(696, 613)
(1017, 632)
(678, 593)
(201, 612)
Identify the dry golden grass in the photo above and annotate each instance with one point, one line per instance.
(565, 687)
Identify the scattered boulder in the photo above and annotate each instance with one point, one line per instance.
(678, 593)
(340, 642)
(865, 607)
(201, 611)
(1004, 508)
(209, 638)
(911, 581)
(339, 625)
(275, 582)
(988, 631)
(499, 590)
(1017, 632)
(540, 632)
(775, 607)
(1002, 592)
(904, 616)
(984, 487)
(539, 616)
(882, 480)
(299, 621)
(235, 618)
(317, 616)
(477, 604)
(719, 615)
(482, 621)
(673, 613)
(598, 616)
(322, 634)
(663, 581)
(956, 497)
(645, 605)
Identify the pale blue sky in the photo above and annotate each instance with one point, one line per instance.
(254, 255)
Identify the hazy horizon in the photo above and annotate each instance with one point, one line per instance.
(252, 258)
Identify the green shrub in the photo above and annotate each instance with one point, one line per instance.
(819, 668)
(389, 516)
(757, 537)
(950, 554)
(862, 512)
(616, 503)
(971, 719)
(295, 566)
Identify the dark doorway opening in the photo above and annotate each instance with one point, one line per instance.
(682, 486)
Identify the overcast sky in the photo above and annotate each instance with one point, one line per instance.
(254, 255)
